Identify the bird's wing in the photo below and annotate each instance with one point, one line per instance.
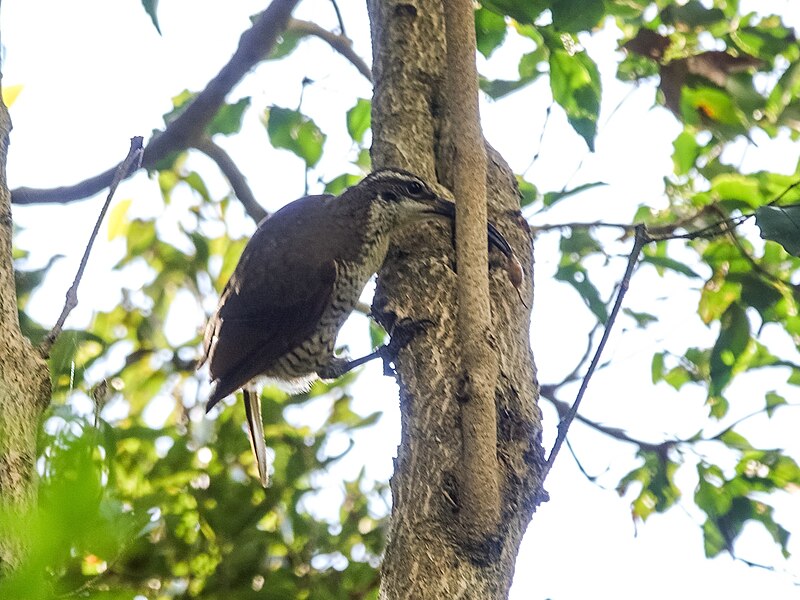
(272, 303)
(252, 328)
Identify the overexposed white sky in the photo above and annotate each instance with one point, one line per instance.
(96, 73)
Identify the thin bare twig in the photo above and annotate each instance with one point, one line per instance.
(342, 44)
(563, 409)
(254, 45)
(626, 227)
(234, 176)
(130, 165)
(339, 18)
(541, 139)
(640, 240)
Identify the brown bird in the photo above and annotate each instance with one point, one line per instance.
(298, 280)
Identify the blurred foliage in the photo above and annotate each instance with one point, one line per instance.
(175, 510)
(723, 74)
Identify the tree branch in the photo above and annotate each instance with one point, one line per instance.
(563, 409)
(479, 362)
(640, 240)
(626, 227)
(342, 44)
(234, 176)
(181, 133)
(130, 165)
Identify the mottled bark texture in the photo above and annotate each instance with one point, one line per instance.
(432, 553)
(24, 384)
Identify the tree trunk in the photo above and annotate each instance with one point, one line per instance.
(24, 384)
(432, 552)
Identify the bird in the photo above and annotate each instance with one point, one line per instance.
(299, 278)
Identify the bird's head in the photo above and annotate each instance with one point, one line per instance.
(406, 198)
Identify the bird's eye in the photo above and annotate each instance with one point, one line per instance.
(414, 188)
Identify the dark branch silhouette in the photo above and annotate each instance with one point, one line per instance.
(181, 133)
(342, 44)
(641, 238)
(234, 176)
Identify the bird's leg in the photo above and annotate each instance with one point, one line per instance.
(402, 333)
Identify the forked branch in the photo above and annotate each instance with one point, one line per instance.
(180, 134)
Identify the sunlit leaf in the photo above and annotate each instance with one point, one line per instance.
(293, 131)
(734, 336)
(117, 221)
(11, 93)
(773, 401)
(228, 119)
(358, 119)
(490, 30)
(575, 84)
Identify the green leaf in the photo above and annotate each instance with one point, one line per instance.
(578, 278)
(733, 186)
(528, 192)
(733, 439)
(141, 236)
(294, 131)
(497, 88)
(733, 339)
(551, 198)
(781, 224)
(572, 16)
(151, 7)
(685, 152)
(358, 119)
(783, 93)
(524, 12)
(773, 401)
(490, 30)
(657, 478)
(339, 184)
(287, 42)
(575, 84)
(642, 319)
(691, 14)
(657, 367)
(664, 262)
(117, 223)
(529, 71)
(703, 105)
(228, 119)
(714, 543)
(766, 40)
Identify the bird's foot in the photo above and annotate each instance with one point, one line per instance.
(402, 333)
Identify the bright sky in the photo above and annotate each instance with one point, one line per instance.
(96, 73)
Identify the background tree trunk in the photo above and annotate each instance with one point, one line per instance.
(431, 554)
(24, 382)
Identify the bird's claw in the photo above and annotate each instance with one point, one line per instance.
(403, 332)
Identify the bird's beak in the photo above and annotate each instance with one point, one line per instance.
(445, 208)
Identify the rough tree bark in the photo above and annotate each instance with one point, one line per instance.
(432, 552)
(24, 383)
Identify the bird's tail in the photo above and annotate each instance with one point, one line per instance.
(252, 406)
